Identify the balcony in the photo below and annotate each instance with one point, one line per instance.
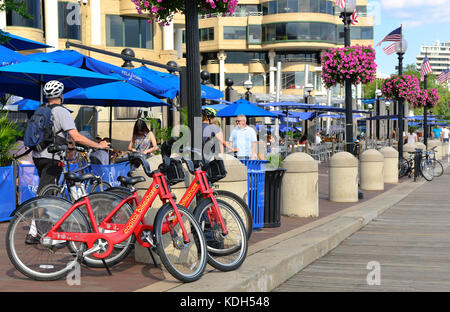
(257, 66)
(213, 66)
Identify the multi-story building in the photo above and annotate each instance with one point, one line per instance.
(438, 54)
(245, 46)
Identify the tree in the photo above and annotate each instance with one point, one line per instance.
(17, 6)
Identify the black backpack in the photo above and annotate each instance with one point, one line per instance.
(39, 131)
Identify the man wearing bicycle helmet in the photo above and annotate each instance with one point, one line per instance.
(211, 131)
(47, 164)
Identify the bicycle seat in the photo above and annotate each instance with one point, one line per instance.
(130, 181)
(75, 177)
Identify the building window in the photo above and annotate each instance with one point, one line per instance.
(254, 34)
(235, 32)
(34, 8)
(361, 33)
(124, 31)
(69, 20)
(206, 34)
(299, 31)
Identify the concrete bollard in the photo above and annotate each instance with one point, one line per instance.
(445, 150)
(236, 179)
(343, 178)
(371, 170)
(408, 147)
(299, 188)
(390, 164)
(421, 146)
(438, 150)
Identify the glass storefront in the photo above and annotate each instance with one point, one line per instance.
(69, 20)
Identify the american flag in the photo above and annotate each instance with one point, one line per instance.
(390, 48)
(395, 35)
(341, 3)
(426, 68)
(444, 76)
(354, 17)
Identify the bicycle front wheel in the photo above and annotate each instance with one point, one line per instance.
(240, 206)
(426, 169)
(438, 169)
(226, 252)
(186, 261)
(32, 257)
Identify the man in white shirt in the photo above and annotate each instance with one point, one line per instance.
(318, 139)
(243, 138)
(445, 134)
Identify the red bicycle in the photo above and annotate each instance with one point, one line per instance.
(225, 234)
(67, 235)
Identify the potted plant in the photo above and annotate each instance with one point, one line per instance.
(356, 63)
(426, 98)
(163, 11)
(404, 86)
(9, 132)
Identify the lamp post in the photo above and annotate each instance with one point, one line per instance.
(388, 105)
(248, 85)
(204, 75)
(170, 110)
(370, 108)
(378, 94)
(346, 15)
(307, 88)
(193, 89)
(400, 48)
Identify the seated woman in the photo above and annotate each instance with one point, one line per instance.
(143, 140)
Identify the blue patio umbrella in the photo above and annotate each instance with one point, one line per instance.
(244, 107)
(216, 107)
(18, 43)
(9, 57)
(26, 79)
(113, 94)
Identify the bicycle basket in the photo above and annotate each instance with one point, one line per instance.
(216, 170)
(175, 172)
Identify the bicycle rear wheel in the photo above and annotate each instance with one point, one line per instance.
(55, 190)
(225, 252)
(54, 259)
(438, 169)
(426, 169)
(98, 186)
(185, 261)
(239, 206)
(403, 167)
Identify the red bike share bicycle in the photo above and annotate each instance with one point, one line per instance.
(70, 233)
(225, 234)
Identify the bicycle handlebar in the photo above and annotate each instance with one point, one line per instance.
(136, 156)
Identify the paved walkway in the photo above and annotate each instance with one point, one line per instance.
(407, 248)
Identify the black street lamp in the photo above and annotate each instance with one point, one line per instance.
(193, 89)
(388, 105)
(229, 83)
(248, 85)
(346, 15)
(127, 63)
(204, 75)
(401, 49)
(169, 101)
(378, 94)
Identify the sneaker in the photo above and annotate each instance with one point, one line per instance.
(30, 240)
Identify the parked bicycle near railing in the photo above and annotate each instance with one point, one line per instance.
(74, 183)
(67, 236)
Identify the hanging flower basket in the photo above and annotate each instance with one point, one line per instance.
(162, 11)
(428, 98)
(405, 86)
(356, 63)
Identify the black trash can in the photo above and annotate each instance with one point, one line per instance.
(272, 196)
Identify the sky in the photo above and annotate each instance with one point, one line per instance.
(423, 22)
